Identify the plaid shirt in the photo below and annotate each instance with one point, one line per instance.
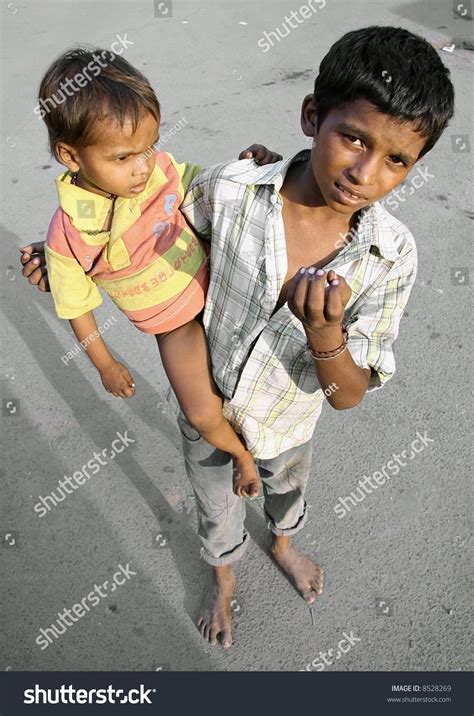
(260, 362)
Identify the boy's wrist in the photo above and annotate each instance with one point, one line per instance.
(325, 339)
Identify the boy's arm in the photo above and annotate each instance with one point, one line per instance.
(260, 154)
(196, 208)
(368, 362)
(195, 183)
(345, 382)
(34, 265)
(115, 377)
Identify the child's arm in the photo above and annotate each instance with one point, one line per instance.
(115, 377)
(187, 364)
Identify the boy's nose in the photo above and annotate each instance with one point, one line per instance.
(363, 173)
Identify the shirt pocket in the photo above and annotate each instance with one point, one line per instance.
(90, 255)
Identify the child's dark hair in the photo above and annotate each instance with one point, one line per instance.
(84, 85)
(397, 71)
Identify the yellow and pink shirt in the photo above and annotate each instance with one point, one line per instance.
(150, 263)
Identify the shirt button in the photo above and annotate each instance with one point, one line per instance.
(273, 198)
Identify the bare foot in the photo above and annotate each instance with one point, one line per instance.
(245, 476)
(306, 575)
(216, 613)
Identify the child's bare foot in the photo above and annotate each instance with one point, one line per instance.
(306, 575)
(245, 476)
(216, 614)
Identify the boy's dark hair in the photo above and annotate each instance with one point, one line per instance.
(397, 71)
(84, 85)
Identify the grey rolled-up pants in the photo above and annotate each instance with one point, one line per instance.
(221, 514)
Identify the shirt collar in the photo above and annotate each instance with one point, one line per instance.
(372, 228)
(88, 213)
(269, 174)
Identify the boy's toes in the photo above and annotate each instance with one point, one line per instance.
(309, 596)
(227, 639)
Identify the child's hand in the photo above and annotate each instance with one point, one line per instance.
(260, 154)
(117, 380)
(245, 476)
(319, 307)
(34, 265)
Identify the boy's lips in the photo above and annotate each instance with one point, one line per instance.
(349, 196)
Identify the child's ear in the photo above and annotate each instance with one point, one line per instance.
(309, 116)
(65, 154)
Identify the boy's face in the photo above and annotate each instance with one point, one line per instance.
(359, 153)
(119, 162)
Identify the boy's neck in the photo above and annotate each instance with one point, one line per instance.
(303, 198)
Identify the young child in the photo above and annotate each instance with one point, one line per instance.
(119, 227)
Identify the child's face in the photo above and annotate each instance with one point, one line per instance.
(119, 162)
(359, 154)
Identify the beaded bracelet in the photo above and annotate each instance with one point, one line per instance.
(315, 356)
(327, 355)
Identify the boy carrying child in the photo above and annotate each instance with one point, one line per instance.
(293, 314)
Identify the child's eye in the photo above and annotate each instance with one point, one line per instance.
(123, 157)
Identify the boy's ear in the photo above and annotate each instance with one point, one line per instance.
(65, 154)
(309, 116)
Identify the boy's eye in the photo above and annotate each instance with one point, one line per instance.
(351, 138)
(396, 160)
(123, 157)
